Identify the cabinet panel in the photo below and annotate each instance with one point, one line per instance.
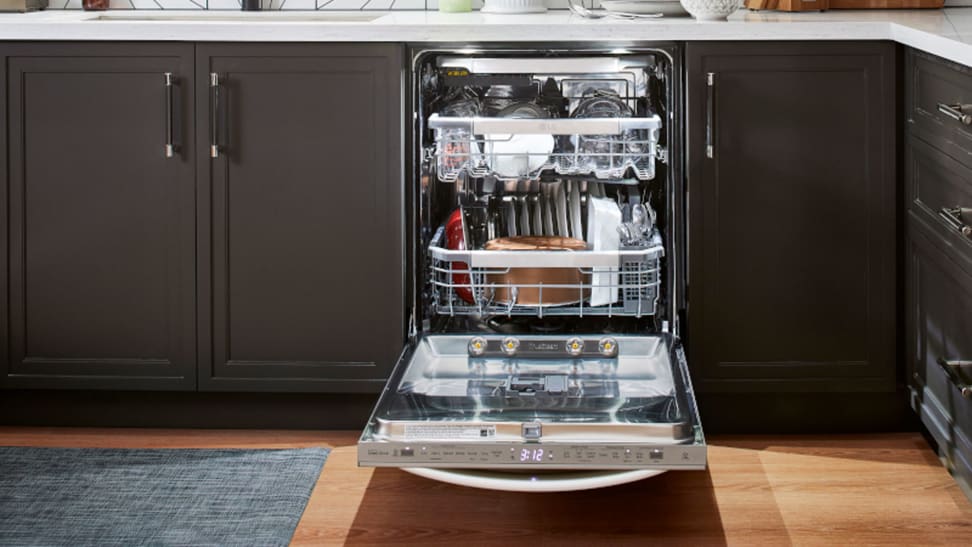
(792, 219)
(101, 228)
(935, 181)
(939, 323)
(303, 267)
(931, 84)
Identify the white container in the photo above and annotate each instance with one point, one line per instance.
(711, 10)
(514, 6)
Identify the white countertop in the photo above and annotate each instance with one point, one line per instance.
(946, 33)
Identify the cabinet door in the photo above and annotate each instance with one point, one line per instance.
(101, 222)
(939, 338)
(792, 216)
(301, 257)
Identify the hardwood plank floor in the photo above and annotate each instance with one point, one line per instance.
(885, 489)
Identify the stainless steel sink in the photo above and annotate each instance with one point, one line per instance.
(263, 17)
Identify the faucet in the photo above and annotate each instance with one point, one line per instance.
(250, 5)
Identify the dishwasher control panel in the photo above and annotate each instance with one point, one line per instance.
(531, 455)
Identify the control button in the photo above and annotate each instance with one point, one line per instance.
(575, 346)
(608, 347)
(408, 452)
(656, 454)
(510, 345)
(477, 346)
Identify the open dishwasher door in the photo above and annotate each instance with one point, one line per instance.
(547, 273)
(585, 407)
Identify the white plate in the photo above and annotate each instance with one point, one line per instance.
(565, 481)
(665, 7)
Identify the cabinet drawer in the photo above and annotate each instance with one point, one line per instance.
(934, 88)
(940, 329)
(939, 190)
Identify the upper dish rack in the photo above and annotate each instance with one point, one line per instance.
(524, 148)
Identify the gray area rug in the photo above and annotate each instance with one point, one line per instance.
(86, 496)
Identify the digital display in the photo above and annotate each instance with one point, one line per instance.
(531, 455)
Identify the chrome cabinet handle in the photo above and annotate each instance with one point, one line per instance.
(953, 217)
(954, 111)
(949, 367)
(709, 119)
(169, 149)
(214, 111)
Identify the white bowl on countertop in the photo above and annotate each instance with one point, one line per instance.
(668, 8)
(514, 6)
(711, 10)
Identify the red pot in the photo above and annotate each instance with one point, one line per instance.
(456, 241)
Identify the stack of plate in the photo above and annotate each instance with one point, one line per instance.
(667, 8)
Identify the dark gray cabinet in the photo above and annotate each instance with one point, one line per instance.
(792, 223)
(276, 265)
(939, 339)
(300, 243)
(100, 241)
(938, 274)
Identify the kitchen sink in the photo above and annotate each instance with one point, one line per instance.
(246, 17)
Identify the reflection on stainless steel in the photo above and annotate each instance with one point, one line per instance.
(448, 396)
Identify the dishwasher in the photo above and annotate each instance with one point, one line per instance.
(546, 272)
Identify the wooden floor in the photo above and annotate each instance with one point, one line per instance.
(837, 490)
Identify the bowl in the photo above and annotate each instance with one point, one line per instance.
(711, 10)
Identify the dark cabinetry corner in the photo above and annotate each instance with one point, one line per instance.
(792, 217)
(938, 253)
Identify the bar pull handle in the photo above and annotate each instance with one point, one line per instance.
(953, 216)
(214, 111)
(955, 111)
(169, 149)
(709, 116)
(953, 376)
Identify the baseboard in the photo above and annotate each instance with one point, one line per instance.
(775, 413)
(185, 410)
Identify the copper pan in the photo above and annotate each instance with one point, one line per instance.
(527, 280)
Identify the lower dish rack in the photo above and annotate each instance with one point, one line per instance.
(546, 283)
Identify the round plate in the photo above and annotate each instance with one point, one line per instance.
(665, 7)
(564, 481)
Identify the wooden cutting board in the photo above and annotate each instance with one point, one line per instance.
(820, 5)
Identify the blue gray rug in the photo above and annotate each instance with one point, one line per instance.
(85, 496)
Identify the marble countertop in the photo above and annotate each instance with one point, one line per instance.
(946, 33)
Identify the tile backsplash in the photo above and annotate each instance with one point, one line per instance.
(307, 5)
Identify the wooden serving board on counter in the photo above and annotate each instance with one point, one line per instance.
(820, 5)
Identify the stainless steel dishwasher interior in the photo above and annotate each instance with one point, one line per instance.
(532, 366)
